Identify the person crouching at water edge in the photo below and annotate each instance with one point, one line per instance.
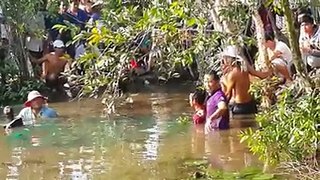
(217, 113)
(35, 108)
(197, 101)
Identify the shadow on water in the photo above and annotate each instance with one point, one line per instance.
(143, 142)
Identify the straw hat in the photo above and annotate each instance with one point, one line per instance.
(32, 96)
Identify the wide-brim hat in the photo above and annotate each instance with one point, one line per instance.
(32, 96)
(231, 51)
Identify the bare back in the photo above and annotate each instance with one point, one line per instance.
(240, 85)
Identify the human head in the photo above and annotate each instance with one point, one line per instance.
(63, 6)
(229, 57)
(269, 41)
(199, 97)
(74, 5)
(58, 46)
(88, 6)
(8, 112)
(35, 100)
(307, 22)
(211, 81)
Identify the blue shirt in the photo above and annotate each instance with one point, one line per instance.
(29, 118)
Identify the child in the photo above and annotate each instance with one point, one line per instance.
(197, 101)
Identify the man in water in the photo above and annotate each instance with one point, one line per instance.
(53, 64)
(236, 81)
(217, 114)
(35, 109)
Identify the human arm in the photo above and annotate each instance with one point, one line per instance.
(44, 70)
(276, 54)
(259, 74)
(41, 60)
(229, 85)
(211, 121)
(222, 110)
(190, 99)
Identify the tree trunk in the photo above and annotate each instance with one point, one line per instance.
(294, 43)
(214, 12)
(263, 61)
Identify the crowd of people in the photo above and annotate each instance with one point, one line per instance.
(47, 46)
(231, 93)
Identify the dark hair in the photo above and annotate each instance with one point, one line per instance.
(199, 96)
(306, 19)
(269, 36)
(214, 75)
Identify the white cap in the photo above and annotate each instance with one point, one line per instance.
(58, 44)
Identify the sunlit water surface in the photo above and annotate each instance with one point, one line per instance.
(143, 142)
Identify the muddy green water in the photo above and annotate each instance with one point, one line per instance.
(143, 142)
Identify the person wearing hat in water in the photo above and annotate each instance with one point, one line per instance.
(236, 81)
(53, 64)
(35, 108)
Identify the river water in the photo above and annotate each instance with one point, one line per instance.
(144, 141)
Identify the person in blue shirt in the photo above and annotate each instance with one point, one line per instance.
(35, 109)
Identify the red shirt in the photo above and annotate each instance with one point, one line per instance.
(199, 117)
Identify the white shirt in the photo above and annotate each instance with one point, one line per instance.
(285, 50)
(3, 28)
(314, 40)
(34, 43)
(27, 116)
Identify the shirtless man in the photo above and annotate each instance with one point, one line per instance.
(53, 64)
(236, 81)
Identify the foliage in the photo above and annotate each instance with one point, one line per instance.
(201, 171)
(16, 91)
(176, 35)
(185, 119)
(287, 130)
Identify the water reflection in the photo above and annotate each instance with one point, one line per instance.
(144, 143)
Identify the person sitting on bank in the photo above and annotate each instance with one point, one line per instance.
(217, 113)
(281, 58)
(309, 42)
(53, 64)
(197, 101)
(236, 81)
(35, 108)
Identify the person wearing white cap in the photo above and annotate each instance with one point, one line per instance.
(236, 81)
(35, 108)
(53, 64)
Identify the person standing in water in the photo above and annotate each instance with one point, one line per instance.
(236, 81)
(197, 101)
(36, 108)
(217, 113)
(53, 64)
